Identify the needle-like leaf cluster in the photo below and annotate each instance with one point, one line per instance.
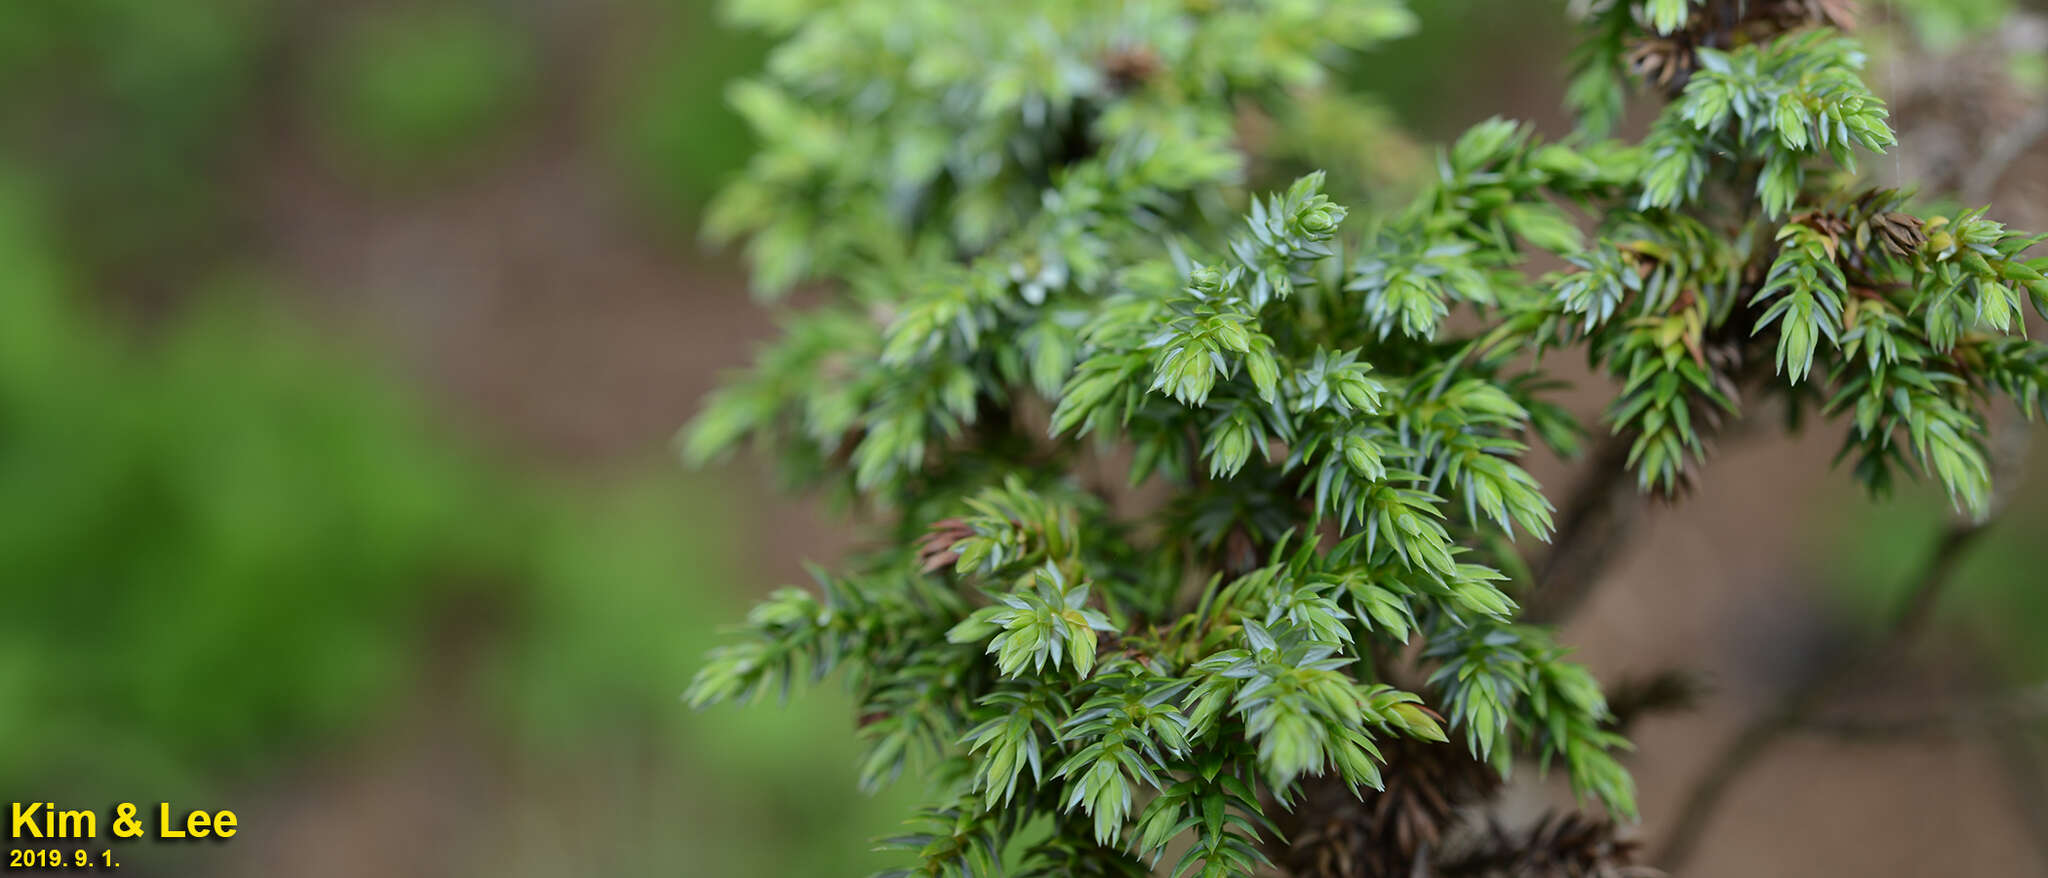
(1173, 461)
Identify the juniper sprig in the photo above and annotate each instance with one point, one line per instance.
(1060, 276)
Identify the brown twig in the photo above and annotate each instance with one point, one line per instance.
(2026, 778)
(1796, 705)
(1597, 523)
(1957, 717)
(1606, 506)
(1998, 723)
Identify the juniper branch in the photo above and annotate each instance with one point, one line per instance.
(1033, 202)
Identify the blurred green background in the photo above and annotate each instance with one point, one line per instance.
(340, 345)
(261, 554)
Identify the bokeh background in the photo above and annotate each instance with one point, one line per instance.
(341, 345)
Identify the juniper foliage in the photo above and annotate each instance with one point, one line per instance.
(1195, 488)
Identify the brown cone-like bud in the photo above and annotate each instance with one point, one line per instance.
(1899, 232)
(1332, 834)
(935, 549)
(1557, 846)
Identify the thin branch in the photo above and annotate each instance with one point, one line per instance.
(1635, 698)
(1607, 505)
(2026, 778)
(1796, 705)
(1597, 523)
(1958, 717)
(2000, 724)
